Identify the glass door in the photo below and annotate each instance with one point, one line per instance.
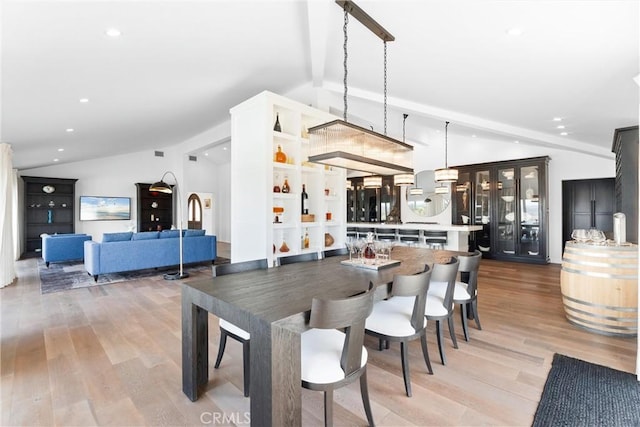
(481, 210)
(507, 212)
(529, 212)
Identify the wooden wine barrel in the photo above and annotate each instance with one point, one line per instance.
(600, 288)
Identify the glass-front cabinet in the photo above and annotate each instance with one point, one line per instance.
(510, 203)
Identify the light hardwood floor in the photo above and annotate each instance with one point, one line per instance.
(110, 355)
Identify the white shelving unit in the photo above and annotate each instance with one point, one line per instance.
(254, 172)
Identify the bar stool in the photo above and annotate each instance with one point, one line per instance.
(435, 239)
(410, 237)
(386, 234)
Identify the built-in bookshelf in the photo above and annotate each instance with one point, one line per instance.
(49, 207)
(256, 172)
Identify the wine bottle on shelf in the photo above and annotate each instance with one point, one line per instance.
(281, 157)
(305, 240)
(285, 186)
(304, 201)
(277, 127)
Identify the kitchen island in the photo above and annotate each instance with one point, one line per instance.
(457, 236)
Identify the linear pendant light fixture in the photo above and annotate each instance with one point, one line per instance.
(446, 174)
(345, 145)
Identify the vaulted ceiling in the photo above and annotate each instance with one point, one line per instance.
(503, 69)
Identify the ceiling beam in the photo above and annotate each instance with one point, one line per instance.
(317, 23)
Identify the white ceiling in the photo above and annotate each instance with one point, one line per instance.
(179, 66)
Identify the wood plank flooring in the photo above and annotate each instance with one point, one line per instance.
(110, 355)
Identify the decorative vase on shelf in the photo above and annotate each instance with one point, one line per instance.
(277, 127)
(328, 239)
(284, 247)
(281, 157)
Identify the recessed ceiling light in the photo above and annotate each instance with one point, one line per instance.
(70, 129)
(557, 119)
(515, 31)
(516, 141)
(84, 100)
(60, 149)
(224, 148)
(473, 136)
(56, 160)
(113, 32)
(560, 126)
(564, 133)
(206, 154)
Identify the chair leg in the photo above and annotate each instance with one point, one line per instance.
(364, 391)
(380, 344)
(425, 352)
(463, 317)
(443, 359)
(221, 346)
(474, 308)
(404, 356)
(328, 408)
(452, 331)
(246, 363)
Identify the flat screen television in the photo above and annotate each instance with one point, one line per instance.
(94, 208)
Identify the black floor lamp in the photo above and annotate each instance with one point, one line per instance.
(163, 187)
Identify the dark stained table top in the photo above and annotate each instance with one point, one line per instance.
(278, 293)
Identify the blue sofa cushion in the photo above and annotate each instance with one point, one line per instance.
(116, 237)
(145, 235)
(192, 233)
(168, 234)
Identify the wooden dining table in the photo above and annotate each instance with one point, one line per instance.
(274, 305)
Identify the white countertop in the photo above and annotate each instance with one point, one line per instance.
(417, 226)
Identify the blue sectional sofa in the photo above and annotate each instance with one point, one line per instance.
(63, 247)
(136, 251)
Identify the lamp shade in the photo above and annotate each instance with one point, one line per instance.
(403, 179)
(161, 187)
(446, 175)
(372, 181)
(441, 190)
(416, 191)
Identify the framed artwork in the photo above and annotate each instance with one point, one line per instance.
(207, 203)
(94, 208)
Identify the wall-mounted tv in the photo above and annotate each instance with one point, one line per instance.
(104, 208)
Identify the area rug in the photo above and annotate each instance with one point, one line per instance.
(61, 276)
(579, 393)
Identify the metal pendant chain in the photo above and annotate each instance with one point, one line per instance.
(446, 144)
(385, 87)
(346, 22)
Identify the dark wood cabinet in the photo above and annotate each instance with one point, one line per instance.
(625, 146)
(588, 203)
(155, 210)
(509, 200)
(49, 207)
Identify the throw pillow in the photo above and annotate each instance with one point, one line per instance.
(145, 235)
(116, 237)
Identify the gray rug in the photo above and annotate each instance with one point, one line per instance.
(62, 276)
(579, 393)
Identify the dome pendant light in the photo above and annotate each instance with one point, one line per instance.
(446, 174)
